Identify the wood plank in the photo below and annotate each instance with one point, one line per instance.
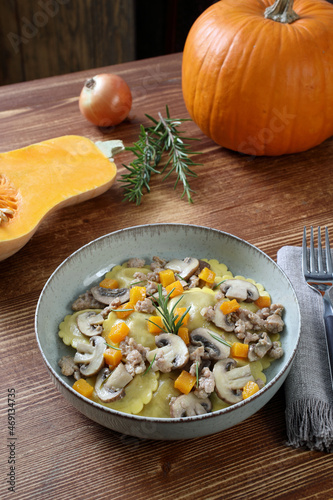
(53, 37)
(114, 33)
(11, 65)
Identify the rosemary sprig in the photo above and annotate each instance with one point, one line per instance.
(162, 139)
(172, 321)
(178, 153)
(148, 152)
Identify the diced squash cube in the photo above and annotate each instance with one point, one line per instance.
(249, 389)
(109, 283)
(137, 293)
(185, 382)
(183, 333)
(83, 387)
(179, 311)
(176, 288)
(263, 301)
(229, 306)
(239, 350)
(167, 276)
(207, 275)
(117, 333)
(112, 357)
(155, 324)
(124, 310)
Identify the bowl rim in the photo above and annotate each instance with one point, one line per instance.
(167, 420)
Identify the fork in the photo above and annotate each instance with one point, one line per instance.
(319, 277)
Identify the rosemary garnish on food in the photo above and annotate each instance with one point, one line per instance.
(197, 373)
(219, 339)
(172, 322)
(113, 347)
(161, 140)
(151, 364)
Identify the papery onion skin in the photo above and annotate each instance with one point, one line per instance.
(105, 100)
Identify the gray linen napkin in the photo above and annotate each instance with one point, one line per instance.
(308, 388)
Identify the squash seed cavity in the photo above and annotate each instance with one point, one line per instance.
(8, 200)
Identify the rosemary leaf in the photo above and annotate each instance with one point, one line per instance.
(151, 364)
(197, 373)
(162, 139)
(172, 321)
(113, 347)
(219, 339)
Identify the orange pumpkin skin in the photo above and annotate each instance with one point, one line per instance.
(258, 86)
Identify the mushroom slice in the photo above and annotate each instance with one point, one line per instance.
(90, 356)
(222, 320)
(229, 380)
(184, 268)
(107, 295)
(213, 348)
(109, 386)
(189, 405)
(241, 290)
(171, 353)
(90, 323)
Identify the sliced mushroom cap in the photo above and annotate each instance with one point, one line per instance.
(109, 386)
(171, 353)
(184, 268)
(90, 357)
(213, 348)
(222, 320)
(189, 405)
(241, 290)
(202, 265)
(105, 394)
(229, 380)
(107, 295)
(90, 323)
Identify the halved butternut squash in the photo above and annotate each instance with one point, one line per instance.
(43, 177)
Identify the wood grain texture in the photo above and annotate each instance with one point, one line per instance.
(42, 38)
(266, 201)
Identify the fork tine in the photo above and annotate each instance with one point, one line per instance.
(312, 252)
(304, 253)
(329, 265)
(320, 253)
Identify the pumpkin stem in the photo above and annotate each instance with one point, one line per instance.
(282, 12)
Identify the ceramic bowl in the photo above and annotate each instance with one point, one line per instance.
(87, 266)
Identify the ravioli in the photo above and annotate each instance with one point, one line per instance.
(138, 393)
(159, 407)
(149, 393)
(69, 331)
(125, 275)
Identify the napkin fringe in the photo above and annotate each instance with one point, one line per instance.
(310, 424)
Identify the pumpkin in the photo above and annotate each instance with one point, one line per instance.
(43, 177)
(257, 78)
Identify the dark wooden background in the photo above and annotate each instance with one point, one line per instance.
(41, 38)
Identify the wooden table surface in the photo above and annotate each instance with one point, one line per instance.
(61, 454)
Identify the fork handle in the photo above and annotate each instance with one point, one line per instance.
(329, 339)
